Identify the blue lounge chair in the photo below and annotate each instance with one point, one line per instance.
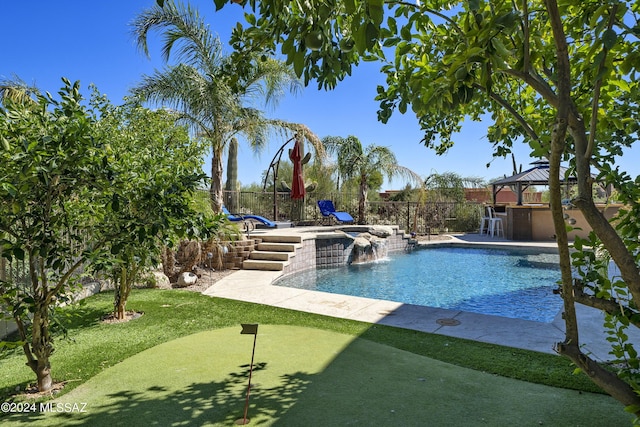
(258, 218)
(329, 211)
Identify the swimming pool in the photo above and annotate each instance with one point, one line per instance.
(503, 282)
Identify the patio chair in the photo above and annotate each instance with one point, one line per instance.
(329, 212)
(494, 223)
(485, 221)
(241, 217)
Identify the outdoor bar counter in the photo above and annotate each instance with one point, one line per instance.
(534, 223)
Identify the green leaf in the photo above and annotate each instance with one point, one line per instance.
(298, 63)
(250, 18)
(349, 7)
(18, 253)
(405, 32)
(375, 11)
(371, 34)
(393, 26)
(360, 38)
(115, 249)
(115, 202)
(609, 38)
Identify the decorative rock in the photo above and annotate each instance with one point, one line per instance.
(367, 248)
(162, 281)
(381, 231)
(186, 279)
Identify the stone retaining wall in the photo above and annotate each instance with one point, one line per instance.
(237, 252)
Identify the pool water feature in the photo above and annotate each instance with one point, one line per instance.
(503, 282)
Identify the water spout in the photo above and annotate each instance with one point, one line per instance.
(368, 248)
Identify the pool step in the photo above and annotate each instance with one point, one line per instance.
(277, 247)
(270, 255)
(274, 238)
(273, 252)
(264, 265)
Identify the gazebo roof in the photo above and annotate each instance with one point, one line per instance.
(537, 175)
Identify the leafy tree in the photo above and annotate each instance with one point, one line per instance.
(50, 164)
(155, 170)
(212, 92)
(560, 76)
(364, 164)
(85, 188)
(451, 185)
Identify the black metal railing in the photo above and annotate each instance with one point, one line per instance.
(419, 217)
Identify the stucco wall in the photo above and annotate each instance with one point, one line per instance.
(538, 224)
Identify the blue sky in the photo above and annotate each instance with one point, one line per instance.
(90, 41)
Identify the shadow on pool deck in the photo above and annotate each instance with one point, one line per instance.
(256, 286)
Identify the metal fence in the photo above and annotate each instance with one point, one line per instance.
(421, 218)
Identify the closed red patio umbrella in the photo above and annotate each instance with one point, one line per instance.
(297, 186)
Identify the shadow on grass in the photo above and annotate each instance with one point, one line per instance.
(206, 403)
(353, 381)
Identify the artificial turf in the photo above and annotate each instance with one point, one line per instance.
(315, 371)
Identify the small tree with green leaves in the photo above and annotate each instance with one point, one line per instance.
(155, 169)
(51, 164)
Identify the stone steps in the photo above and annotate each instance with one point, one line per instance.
(270, 256)
(276, 247)
(273, 253)
(274, 238)
(264, 265)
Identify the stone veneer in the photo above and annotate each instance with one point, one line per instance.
(333, 249)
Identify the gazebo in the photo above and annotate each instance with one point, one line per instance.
(537, 175)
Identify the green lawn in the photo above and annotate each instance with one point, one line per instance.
(353, 368)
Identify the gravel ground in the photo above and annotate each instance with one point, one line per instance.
(206, 278)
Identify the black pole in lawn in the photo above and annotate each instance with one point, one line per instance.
(249, 329)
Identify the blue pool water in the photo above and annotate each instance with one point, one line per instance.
(508, 283)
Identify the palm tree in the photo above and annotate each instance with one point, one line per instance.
(210, 93)
(356, 161)
(17, 91)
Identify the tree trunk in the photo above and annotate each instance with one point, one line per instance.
(169, 264)
(569, 118)
(362, 201)
(41, 347)
(123, 285)
(231, 186)
(120, 300)
(215, 191)
(43, 374)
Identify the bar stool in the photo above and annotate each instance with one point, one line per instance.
(495, 223)
(485, 221)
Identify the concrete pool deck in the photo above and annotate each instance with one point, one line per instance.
(256, 286)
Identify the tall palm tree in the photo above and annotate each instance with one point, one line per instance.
(211, 94)
(17, 91)
(356, 161)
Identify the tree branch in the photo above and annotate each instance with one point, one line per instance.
(597, 88)
(609, 306)
(507, 106)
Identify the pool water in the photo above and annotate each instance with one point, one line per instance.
(509, 283)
